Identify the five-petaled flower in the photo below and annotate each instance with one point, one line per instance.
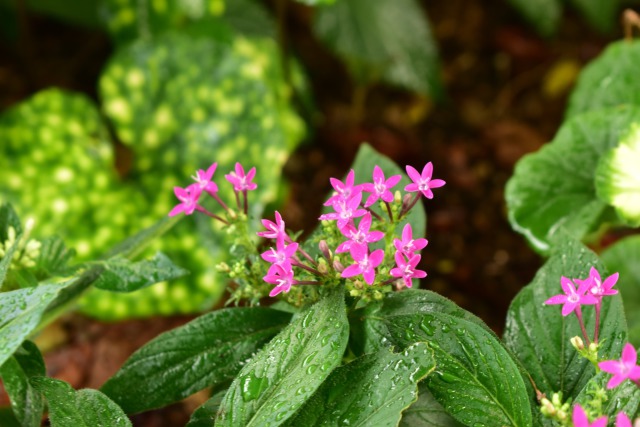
(345, 210)
(622, 369)
(407, 245)
(423, 182)
(572, 299)
(188, 199)
(240, 181)
(203, 179)
(622, 420)
(275, 230)
(281, 277)
(359, 236)
(380, 189)
(365, 263)
(344, 190)
(406, 269)
(580, 419)
(598, 287)
(281, 255)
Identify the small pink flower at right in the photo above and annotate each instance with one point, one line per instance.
(423, 182)
(622, 369)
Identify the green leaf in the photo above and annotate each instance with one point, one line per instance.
(390, 42)
(610, 80)
(539, 335)
(7, 257)
(250, 18)
(618, 177)
(278, 380)
(83, 408)
(20, 312)
(205, 415)
(53, 259)
(543, 15)
(8, 218)
(427, 412)
(554, 188)
(600, 14)
(27, 403)
(476, 380)
(624, 257)
(624, 398)
(386, 381)
(205, 352)
(7, 419)
(122, 275)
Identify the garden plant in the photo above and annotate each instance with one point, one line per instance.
(329, 326)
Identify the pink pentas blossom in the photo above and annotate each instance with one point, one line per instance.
(423, 182)
(240, 180)
(203, 179)
(406, 269)
(365, 263)
(407, 245)
(622, 369)
(380, 188)
(580, 419)
(622, 420)
(281, 277)
(343, 190)
(598, 287)
(280, 255)
(188, 199)
(345, 210)
(275, 230)
(572, 298)
(359, 236)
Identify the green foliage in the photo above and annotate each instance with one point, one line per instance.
(278, 380)
(385, 380)
(610, 80)
(427, 412)
(539, 336)
(624, 257)
(83, 408)
(624, 398)
(555, 188)
(205, 352)
(27, 403)
(391, 42)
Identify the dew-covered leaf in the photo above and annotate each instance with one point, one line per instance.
(82, 408)
(618, 177)
(624, 257)
(391, 42)
(624, 398)
(543, 15)
(427, 412)
(205, 352)
(610, 80)
(27, 404)
(122, 275)
(554, 188)
(539, 335)
(372, 390)
(278, 380)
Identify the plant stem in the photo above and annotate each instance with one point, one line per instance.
(578, 313)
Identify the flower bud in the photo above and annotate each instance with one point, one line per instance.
(406, 201)
(322, 266)
(593, 348)
(324, 248)
(577, 343)
(556, 399)
(338, 266)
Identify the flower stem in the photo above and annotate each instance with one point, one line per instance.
(597, 327)
(389, 211)
(246, 202)
(578, 313)
(212, 215)
(297, 263)
(220, 202)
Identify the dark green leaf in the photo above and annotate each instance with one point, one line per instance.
(20, 312)
(476, 380)
(278, 380)
(554, 188)
(539, 335)
(8, 218)
(624, 257)
(610, 80)
(27, 403)
(83, 408)
(600, 14)
(386, 381)
(122, 275)
(54, 258)
(543, 15)
(7, 419)
(206, 351)
(618, 177)
(427, 412)
(249, 17)
(133, 246)
(205, 415)
(390, 42)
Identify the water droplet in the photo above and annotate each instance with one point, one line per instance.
(309, 358)
(426, 327)
(252, 386)
(445, 328)
(311, 369)
(448, 378)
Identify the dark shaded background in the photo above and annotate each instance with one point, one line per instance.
(494, 69)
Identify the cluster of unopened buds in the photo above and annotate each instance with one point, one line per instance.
(353, 220)
(591, 291)
(28, 250)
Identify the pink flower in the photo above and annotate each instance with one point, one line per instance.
(407, 245)
(423, 182)
(344, 190)
(407, 269)
(622, 420)
(282, 277)
(598, 287)
(346, 210)
(365, 263)
(360, 236)
(580, 419)
(281, 255)
(275, 230)
(380, 187)
(622, 369)
(240, 181)
(188, 199)
(572, 298)
(203, 179)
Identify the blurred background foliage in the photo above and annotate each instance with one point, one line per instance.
(190, 82)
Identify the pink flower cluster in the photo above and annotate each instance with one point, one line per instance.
(580, 419)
